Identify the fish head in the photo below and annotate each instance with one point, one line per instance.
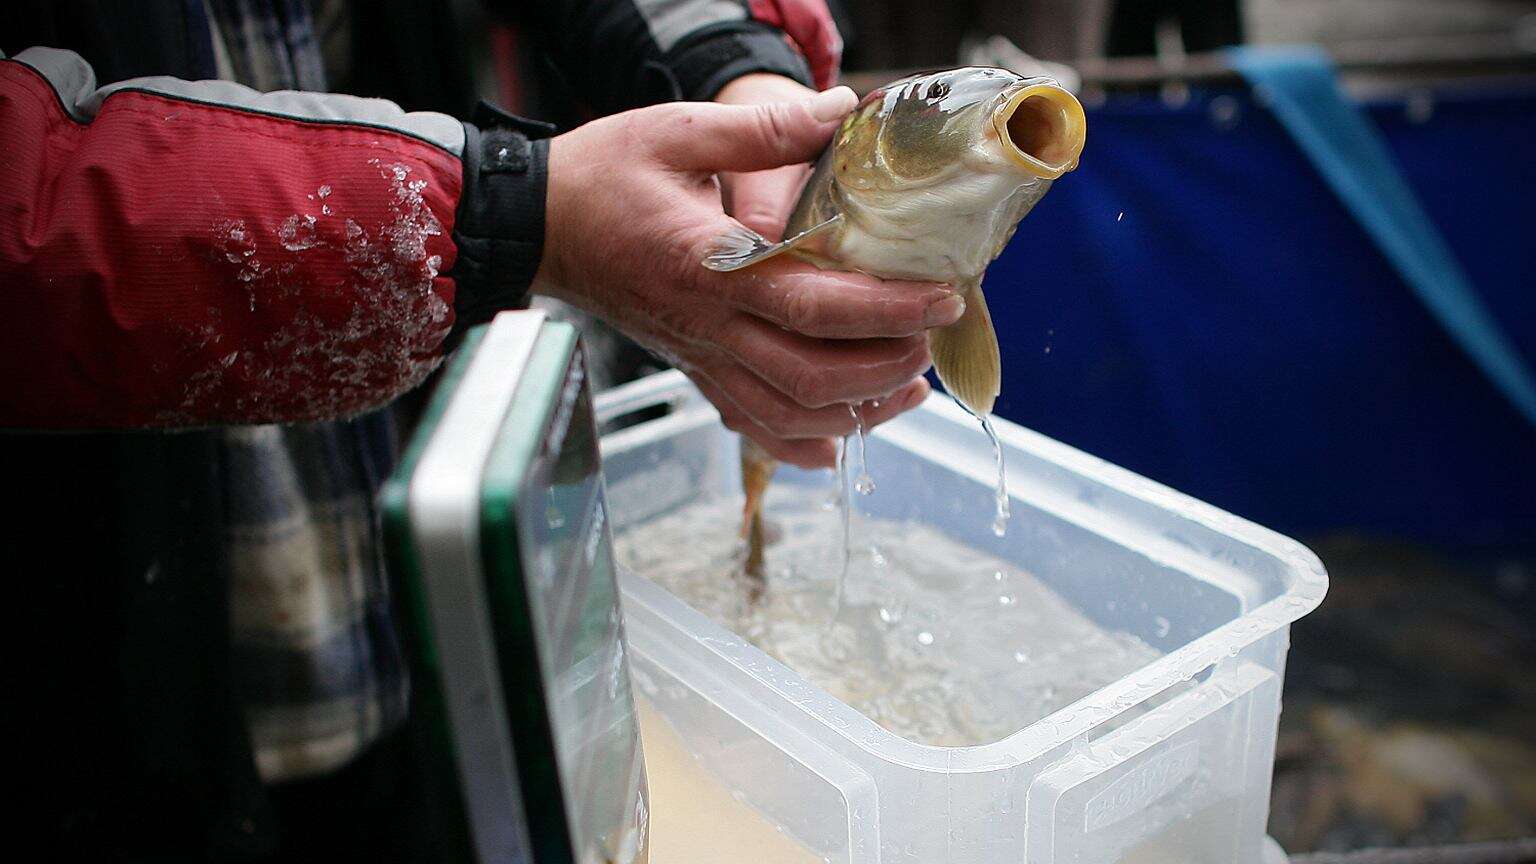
(922, 129)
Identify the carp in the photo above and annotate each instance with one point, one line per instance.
(925, 180)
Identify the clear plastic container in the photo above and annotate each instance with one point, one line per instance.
(1170, 763)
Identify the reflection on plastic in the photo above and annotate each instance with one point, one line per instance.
(694, 819)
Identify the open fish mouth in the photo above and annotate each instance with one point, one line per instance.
(1042, 128)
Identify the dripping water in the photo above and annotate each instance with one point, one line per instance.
(1000, 498)
(864, 483)
(845, 509)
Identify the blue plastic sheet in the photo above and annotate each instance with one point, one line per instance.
(1299, 84)
(1196, 304)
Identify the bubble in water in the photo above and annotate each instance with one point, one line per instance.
(324, 191)
(1006, 600)
(925, 638)
(891, 614)
(875, 556)
(1020, 657)
(1163, 626)
(997, 576)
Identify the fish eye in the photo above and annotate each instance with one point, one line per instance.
(938, 90)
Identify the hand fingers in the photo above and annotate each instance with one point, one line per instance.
(838, 305)
(713, 138)
(810, 453)
(763, 200)
(908, 397)
(804, 452)
(813, 373)
(813, 452)
(782, 417)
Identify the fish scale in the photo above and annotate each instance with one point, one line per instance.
(926, 179)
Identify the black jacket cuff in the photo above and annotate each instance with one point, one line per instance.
(708, 60)
(499, 228)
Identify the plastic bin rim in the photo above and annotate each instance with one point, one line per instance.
(1305, 587)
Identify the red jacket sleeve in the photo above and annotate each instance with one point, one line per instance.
(176, 253)
(619, 54)
(810, 27)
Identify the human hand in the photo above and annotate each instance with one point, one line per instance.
(782, 348)
(762, 200)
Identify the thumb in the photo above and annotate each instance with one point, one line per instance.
(712, 138)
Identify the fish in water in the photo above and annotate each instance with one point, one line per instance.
(925, 180)
(757, 469)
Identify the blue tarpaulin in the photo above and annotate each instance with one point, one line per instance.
(1196, 303)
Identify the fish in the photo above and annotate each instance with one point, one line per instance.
(757, 468)
(926, 179)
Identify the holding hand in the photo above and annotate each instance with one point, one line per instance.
(762, 200)
(633, 207)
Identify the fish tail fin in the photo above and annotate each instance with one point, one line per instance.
(755, 562)
(757, 469)
(740, 246)
(966, 357)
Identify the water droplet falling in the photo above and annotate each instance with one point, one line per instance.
(1001, 513)
(846, 508)
(865, 484)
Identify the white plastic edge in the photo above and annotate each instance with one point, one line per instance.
(1306, 591)
(444, 503)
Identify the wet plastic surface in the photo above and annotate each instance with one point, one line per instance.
(1171, 762)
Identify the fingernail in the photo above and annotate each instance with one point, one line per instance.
(832, 104)
(941, 313)
(916, 397)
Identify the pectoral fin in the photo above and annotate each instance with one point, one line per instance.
(742, 247)
(966, 357)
